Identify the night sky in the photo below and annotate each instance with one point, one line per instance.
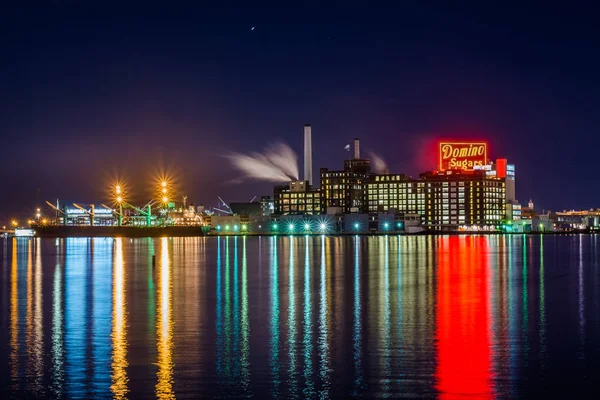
(92, 93)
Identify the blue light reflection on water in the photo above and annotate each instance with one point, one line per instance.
(77, 320)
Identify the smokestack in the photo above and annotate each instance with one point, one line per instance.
(356, 149)
(308, 154)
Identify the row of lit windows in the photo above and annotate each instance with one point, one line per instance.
(301, 195)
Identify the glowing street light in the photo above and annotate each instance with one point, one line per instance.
(356, 225)
(291, 227)
(44, 221)
(386, 225)
(322, 226)
(244, 227)
(14, 223)
(165, 199)
(306, 226)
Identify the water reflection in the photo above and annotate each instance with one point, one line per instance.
(101, 271)
(324, 317)
(307, 347)
(232, 323)
(323, 338)
(119, 325)
(357, 327)
(58, 356)
(164, 326)
(463, 330)
(275, 379)
(77, 320)
(245, 362)
(581, 302)
(14, 318)
(293, 380)
(542, 327)
(37, 344)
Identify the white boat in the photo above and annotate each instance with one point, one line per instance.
(24, 232)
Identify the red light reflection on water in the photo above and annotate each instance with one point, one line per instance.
(463, 333)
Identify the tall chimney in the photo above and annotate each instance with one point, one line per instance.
(308, 154)
(356, 149)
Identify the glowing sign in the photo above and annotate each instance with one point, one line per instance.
(464, 156)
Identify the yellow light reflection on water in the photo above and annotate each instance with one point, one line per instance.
(119, 326)
(164, 327)
(37, 361)
(30, 339)
(14, 316)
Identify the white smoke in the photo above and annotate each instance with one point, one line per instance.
(277, 163)
(378, 164)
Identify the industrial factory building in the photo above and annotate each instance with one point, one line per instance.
(456, 200)
(298, 197)
(343, 192)
(467, 192)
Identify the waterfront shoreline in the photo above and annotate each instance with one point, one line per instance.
(176, 231)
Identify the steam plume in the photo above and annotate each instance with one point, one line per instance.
(378, 164)
(277, 163)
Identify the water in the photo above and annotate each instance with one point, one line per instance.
(301, 317)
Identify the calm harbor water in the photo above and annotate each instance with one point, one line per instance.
(300, 317)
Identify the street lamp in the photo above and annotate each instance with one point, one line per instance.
(14, 223)
(119, 199)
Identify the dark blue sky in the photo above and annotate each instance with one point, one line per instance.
(89, 93)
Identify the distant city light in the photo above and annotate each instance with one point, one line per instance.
(291, 227)
(356, 225)
(306, 226)
(218, 227)
(235, 228)
(165, 199)
(244, 227)
(226, 227)
(386, 225)
(322, 226)
(275, 226)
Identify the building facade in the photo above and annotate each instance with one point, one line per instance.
(457, 200)
(395, 193)
(297, 198)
